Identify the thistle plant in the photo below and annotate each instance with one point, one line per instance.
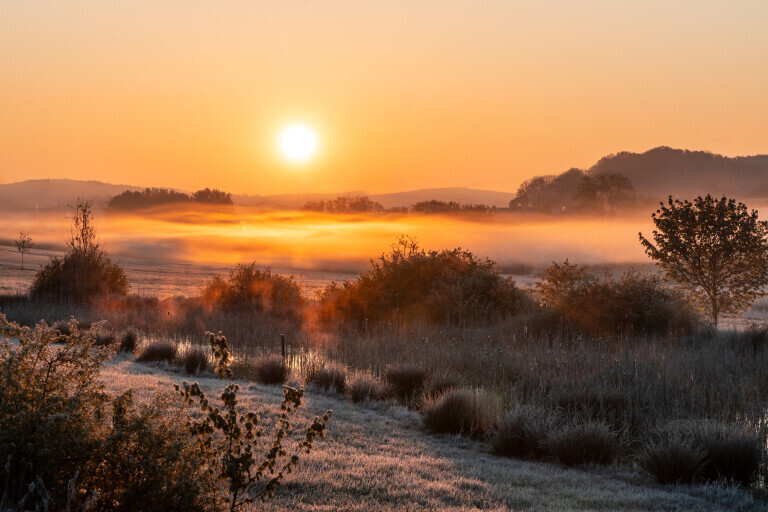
(228, 438)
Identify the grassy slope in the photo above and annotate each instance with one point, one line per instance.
(378, 457)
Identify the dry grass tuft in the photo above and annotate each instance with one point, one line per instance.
(363, 387)
(271, 369)
(583, 442)
(523, 431)
(160, 351)
(331, 376)
(459, 411)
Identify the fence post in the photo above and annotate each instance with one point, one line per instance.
(282, 345)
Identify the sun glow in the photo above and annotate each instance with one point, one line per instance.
(298, 142)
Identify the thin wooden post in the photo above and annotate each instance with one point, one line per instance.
(282, 345)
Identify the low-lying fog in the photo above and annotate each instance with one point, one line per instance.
(323, 247)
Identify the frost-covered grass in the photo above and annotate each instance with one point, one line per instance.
(377, 456)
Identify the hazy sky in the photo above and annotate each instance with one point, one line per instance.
(402, 94)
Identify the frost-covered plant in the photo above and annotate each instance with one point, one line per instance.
(228, 438)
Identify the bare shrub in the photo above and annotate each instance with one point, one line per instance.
(459, 411)
(159, 351)
(523, 431)
(672, 459)
(406, 381)
(195, 360)
(583, 442)
(448, 286)
(270, 369)
(363, 387)
(249, 288)
(331, 376)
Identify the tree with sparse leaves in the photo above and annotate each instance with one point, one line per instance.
(24, 245)
(715, 248)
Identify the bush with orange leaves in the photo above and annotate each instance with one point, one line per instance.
(249, 288)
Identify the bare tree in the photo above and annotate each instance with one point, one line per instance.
(23, 245)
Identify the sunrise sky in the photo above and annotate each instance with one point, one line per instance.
(401, 95)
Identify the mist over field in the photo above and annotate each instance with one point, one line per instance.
(342, 242)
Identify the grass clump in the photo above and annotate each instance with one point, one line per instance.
(672, 459)
(129, 341)
(105, 339)
(405, 381)
(195, 360)
(363, 387)
(331, 376)
(583, 442)
(248, 288)
(437, 383)
(523, 432)
(271, 369)
(459, 411)
(158, 351)
(734, 453)
(447, 286)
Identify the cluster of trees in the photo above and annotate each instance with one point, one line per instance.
(363, 204)
(354, 204)
(575, 191)
(130, 200)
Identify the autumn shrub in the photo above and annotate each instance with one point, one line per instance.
(409, 283)
(406, 381)
(330, 376)
(271, 369)
(524, 430)
(195, 360)
(158, 351)
(582, 442)
(248, 288)
(632, 304)
(364, 386)
(459, 411)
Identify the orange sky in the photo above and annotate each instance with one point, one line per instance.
(403, 95)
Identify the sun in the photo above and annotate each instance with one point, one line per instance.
(298, 142)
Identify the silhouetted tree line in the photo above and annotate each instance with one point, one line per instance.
(575, 191)
(130, 200)
(355, 204)
(363, 204)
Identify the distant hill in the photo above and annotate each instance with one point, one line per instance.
(662, 171)
(56, 194)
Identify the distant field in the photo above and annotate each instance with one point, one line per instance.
(150, 277)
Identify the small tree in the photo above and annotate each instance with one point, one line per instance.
(23, 245)
(715, 248)
(86, 271)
